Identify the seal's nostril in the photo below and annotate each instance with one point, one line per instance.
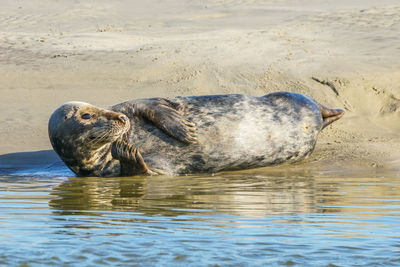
(123, 118)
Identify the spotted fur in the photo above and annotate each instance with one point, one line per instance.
(199, 134)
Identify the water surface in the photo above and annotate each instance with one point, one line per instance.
(261, 217)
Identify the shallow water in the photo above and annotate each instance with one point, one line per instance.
(260, 217)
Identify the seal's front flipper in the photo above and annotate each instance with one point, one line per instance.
(168, 116)
(131, 160)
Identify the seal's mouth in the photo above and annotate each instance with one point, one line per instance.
(330, 115)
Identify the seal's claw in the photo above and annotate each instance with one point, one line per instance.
(190, 124)
(177, 127)
(151, 173)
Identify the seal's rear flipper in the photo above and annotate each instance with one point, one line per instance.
(330, 115)
(131, 160)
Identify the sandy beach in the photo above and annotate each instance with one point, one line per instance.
(345, 54)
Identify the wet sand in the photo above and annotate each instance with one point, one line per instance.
(345, 54)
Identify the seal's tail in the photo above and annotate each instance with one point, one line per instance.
(330, 115)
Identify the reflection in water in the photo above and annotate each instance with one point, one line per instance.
(278, 216)
(236, 193)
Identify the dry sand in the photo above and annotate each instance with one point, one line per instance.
(345, 54)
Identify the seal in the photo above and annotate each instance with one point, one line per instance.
(84, 136)
(185, 135)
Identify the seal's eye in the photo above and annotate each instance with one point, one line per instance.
(86, 116)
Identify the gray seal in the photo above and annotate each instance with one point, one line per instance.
(186, 135)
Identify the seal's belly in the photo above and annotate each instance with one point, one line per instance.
(234, 132)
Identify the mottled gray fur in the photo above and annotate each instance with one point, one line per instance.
(234, 132)
(184, 135)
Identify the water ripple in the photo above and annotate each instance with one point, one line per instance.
(241, 218)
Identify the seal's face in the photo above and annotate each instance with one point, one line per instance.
(82, 134)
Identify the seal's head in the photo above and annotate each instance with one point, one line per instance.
(82, 135)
